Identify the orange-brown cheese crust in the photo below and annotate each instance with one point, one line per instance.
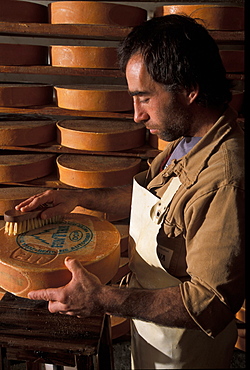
(23, 12)
(91, 12)
(93, 171)
(25, 95)
(25, 167)
(213, 17)
(23, 55)
(12, 195)
(35, 259)
(84, 56)
(22, 133)
(102, 98)
(233, 60)
(100, 134)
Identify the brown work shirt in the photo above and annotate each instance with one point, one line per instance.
(202, 240)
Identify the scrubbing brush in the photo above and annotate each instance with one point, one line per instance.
(17, 222)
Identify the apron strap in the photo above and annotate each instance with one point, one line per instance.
(160, 209)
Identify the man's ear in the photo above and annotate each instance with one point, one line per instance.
(192, 94)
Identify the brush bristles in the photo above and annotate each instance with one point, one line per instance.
(15, 228)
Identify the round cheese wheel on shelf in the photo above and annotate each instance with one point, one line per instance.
(102, 98)
(25, 95)
(84, 56)
(157, 143)
(25, 167)
(93, 171)
(23, 12)
(100, 134)
(12, 195)
(233, 60)
(22, 133)
(213, 17)
(23, 55)
(92, 12)
(35, 259)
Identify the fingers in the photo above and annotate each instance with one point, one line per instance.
(35, 201)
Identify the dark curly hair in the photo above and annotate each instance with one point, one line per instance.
(179, 53)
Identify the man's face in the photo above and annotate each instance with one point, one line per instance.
(164, 113)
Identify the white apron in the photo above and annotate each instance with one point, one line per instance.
(154, 346)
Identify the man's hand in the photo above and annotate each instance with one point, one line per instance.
(79, 297)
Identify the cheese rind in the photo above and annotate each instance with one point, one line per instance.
(91, 12)
(101, 98)
(85, 171)
(213, 17)
(35, 259)
(84, 56)
(25, 95)
(23, 12)
(100, 134)
(22, 133)
(23, 55)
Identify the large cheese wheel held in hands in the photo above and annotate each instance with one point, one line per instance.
(213, 17)
(97, 98)
(23, 133)
(93, 171)
(25, 167)
(35, 259)
(100, 134)
(23, 55)
(94, 12)
(23, 12)
(25, 95)
(84, 56)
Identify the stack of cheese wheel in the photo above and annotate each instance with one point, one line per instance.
(23, 12)
(102, 98)
(157, 143)
(25, 167)
(84, 56)
(213, 17)
(100, 134)
(23, 55)
(233, 60)
(23, 133)
(12, 195)
(35, 259)
(25, 94)
(98, 13)
(95, 171)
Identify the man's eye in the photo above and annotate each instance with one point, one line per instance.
(144, 100)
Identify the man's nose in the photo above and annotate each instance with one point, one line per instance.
(140, 115)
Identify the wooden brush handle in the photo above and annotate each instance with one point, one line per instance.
(13, 215)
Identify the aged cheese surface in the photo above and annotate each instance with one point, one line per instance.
(25, 167)
(213, 17)
(35, 259)
(92, 12)
(93, 171)
(24, 95)
(27, 132)
(23, 55)
(84, 56)
(23, 12)
(100, 134)
(102, 98)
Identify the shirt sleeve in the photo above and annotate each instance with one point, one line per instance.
(215, 258)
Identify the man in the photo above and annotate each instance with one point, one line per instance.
(187, 218)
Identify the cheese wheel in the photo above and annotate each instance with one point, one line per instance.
(93, 171)
(25, 167)
(20, 133)
(100, 134)
(84, 56)
(102, 98)
(157, 143)
(233, 60)
(123, 228)
(25, 95)
(91, 12)
(11, 196)
(35, 259)
(213, 17)
(23, 55)
(23, 12)
(119, 326)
